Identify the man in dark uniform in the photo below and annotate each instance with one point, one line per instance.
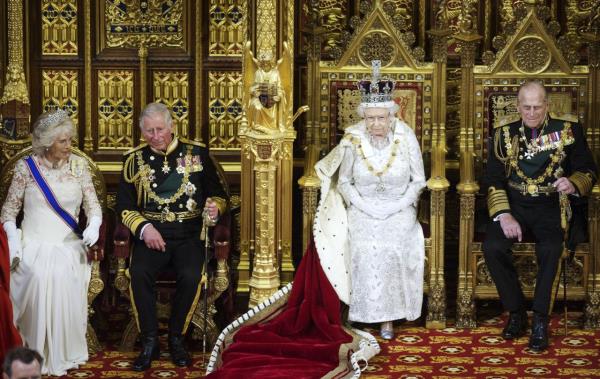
(532, 160)
(168, 186)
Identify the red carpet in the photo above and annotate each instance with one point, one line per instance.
(415, 353)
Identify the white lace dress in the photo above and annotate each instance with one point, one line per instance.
(49, 287)
(385, 239)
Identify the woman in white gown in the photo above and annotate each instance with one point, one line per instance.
(379, 171)
(50, 283)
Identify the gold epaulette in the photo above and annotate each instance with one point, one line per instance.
(140, 146)
(191, 142)
(564, 117)
(507, 119)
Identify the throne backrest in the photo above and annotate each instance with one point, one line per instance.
(340, 98)
(531, 53)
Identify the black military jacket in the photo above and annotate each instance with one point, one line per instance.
(522, 168)
(168, 189)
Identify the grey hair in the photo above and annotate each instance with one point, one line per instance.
(392, 109)
(153, 109)
(47, 128)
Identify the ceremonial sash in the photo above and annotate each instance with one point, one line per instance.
(50, 198)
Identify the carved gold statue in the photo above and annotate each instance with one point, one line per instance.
(266, 99)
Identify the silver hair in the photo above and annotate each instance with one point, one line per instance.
(153, 109)
(361, 109)
(48, 127)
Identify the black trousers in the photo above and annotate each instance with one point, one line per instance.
(542, 220)
(185, 255)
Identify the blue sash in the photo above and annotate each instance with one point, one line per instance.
(50, 198)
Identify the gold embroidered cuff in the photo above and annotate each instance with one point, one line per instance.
(583, 182)
(132, 220)
(497, 201)
(221, 204)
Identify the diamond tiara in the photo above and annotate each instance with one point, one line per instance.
(54, 118)
(376, 90)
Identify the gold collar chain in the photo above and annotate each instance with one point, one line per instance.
(555, 158)
(146, 183)
(370, 167)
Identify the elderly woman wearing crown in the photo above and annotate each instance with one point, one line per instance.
(49, 285)
(369, 241)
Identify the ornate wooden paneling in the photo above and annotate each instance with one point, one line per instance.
(59, 27)
(60, 89)
(172, 88)
(225, 28)
(115, 109)
(224, 109)
(153, 23)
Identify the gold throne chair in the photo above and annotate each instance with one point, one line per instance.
(530, 53)
(420, 93)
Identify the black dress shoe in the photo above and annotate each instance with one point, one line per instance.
(150, 352)
(179, 355)
(516, 326)
(539, 333)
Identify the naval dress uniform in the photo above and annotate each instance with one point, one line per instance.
(522, 165)
(168, 190)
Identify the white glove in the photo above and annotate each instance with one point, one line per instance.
(15, 248)
(91, 233)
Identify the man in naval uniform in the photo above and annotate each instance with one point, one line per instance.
(168, 186)
(533, 157)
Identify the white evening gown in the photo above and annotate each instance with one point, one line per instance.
(49, 287)
(386, 240)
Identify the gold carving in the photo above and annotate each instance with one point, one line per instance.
(59, 27)
(130, 23)
(225, 27)
(88, 146)
(332, 14)
(15, 86)
(531, 55)
(266, 27)
(172, 89)
(465, 312)
(115, 109)
(224, 109)
(60, 90)
(377, 45)
(267, 91)
(592, 310)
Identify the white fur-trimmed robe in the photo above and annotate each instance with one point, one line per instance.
(372, 250)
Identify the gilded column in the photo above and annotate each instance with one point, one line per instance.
(88, 142)
(199, 76)
(467, 187)
(309, 182)
(438, 183)
(285, 206)
(14, 103)
(143, 54)
(267, 140)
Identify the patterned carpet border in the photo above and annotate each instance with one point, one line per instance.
(415, 352)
